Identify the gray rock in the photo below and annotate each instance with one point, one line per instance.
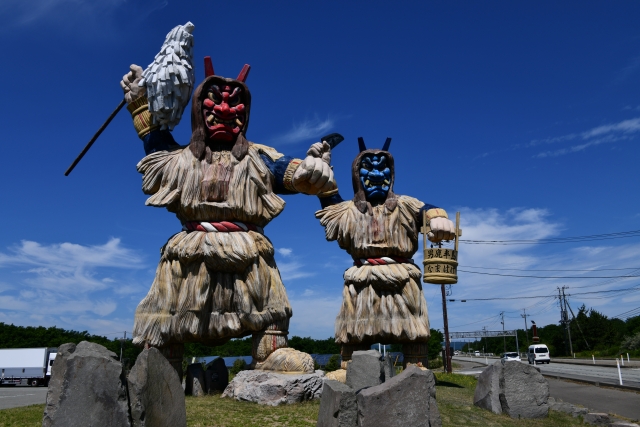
(408, 399)
(596, 418)
(365, 369)
(271, 388)
(622, 424)
(525, 391)
(87, 388)
(513, 388)
(155, 392)
(194, 382)
(565, 407)
(338, 407)
(389, 369)
(487, 394)
(216, 376)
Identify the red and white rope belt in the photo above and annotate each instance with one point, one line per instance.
(381, 261)
(221, 227)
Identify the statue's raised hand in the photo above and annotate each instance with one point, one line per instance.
(314, 175)
(129, 84)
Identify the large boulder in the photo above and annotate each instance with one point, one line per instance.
(87, 388)
(408, 399)
(338, 406)
(365, 369)
(337, 375)
(216, 376)
(155, 392)
(271, 388)
(514, 388)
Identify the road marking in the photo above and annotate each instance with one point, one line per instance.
(18, 395)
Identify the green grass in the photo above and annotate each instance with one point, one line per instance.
(25, 416)
(454, 396)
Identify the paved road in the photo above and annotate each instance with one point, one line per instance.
(630, 376)
(598, 399)
(11, 397)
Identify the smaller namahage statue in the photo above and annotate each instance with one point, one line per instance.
(383, 301)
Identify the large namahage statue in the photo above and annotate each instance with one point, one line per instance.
(217, 278)
(383, 301)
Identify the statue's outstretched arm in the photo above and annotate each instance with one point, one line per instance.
(313, 175)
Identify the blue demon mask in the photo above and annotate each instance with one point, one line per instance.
(375, 176)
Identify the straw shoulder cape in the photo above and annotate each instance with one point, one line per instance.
(381, 303)
(212, 286)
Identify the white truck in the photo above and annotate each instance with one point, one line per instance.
(26, 366)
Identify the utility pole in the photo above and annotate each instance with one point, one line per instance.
(566, 321)
(526, 328)
(122, 344)
(562, 319)
(447, 351)
(504, 339)
(484, 333)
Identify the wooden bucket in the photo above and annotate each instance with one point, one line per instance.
(440, 266)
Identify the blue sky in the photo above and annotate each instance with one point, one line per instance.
(525, 117)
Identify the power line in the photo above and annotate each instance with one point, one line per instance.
(630, 313)
(549, 277)
(635, 288)
(557, 269)
(608, 236)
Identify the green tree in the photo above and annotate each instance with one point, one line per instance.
(333, 363)
(238, 365)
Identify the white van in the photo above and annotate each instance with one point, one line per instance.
(538, 353)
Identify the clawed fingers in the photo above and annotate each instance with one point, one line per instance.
(136, 71)
(315, 150)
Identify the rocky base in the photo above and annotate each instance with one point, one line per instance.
(513, 388)
(88, 388)
(371, 397)
(271, 388)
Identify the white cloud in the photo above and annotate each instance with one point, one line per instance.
(309, 129)
(68, 265)
(52, 284)
(285, 252)
(314, 317)
(606, 134)
(516, 224)
(293, 270)
(89, 18)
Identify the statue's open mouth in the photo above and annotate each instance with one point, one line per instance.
(215, 123)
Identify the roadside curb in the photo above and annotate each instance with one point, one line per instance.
(592, 382)
(601, 365)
